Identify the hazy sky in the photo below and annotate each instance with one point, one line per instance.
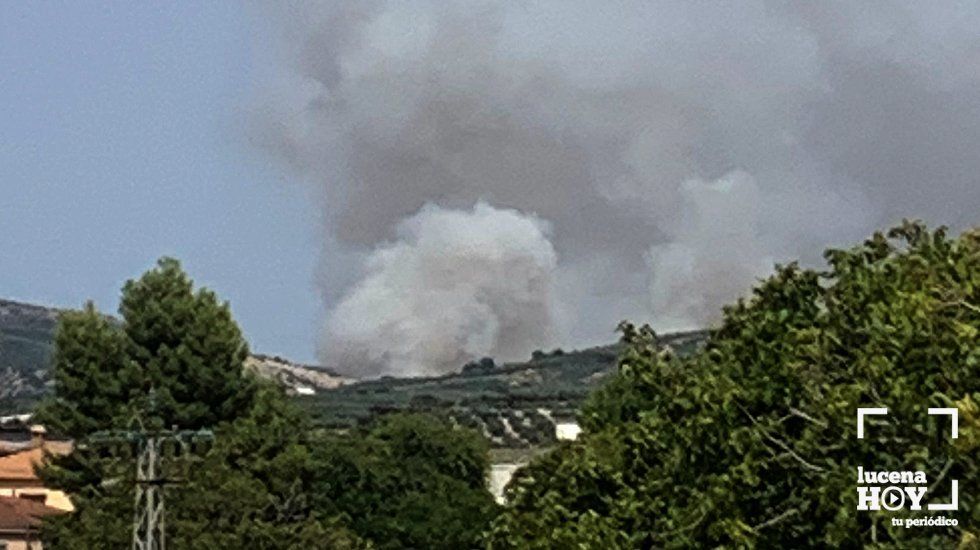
(400, 187)
(120, 141)
(545, 169)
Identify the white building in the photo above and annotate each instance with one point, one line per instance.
(567, 431)
(500, 476)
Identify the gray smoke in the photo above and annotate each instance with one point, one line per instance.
(713, 251)
(676, 149)
(454, 285)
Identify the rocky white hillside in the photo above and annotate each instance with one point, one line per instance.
(26, 335)
(295, 377)
(25, 349)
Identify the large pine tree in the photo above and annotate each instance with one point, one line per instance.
(186, 349)
(174, 358)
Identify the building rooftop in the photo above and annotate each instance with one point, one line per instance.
(19, 466)
(21, 515)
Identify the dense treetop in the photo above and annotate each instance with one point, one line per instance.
(752, 443)
(269, 480)
(177, 345)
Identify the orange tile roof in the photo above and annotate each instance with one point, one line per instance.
(8, 447)
(20, 466)
(22, 514)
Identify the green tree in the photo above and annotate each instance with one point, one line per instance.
(186, 347)
(175, 358)
(752, 443)
(409, 481)
(92, 375)
(181, 344)
(253, 489)
(269, 481)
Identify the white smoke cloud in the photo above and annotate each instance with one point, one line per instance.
(454, 286)
(606, 119)
(716, 248)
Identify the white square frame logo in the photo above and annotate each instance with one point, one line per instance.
(954, 430)
(952, 412)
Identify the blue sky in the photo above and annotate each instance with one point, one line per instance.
(121, 141)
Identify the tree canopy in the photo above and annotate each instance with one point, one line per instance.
(180, 343)
(408, 481)
(175, 358)
(752, 443)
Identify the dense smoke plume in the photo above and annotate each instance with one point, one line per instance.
(454, 285)
(713, 251)
(676, 149)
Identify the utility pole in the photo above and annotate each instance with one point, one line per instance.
(149, 531)
(148, 518)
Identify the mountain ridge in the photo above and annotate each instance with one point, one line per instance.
(27, 341)
(515, 404)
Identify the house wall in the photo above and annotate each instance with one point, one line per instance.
(17, 542)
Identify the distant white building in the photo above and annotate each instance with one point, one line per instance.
(502, 472)
(567, 431)
(304, 390)
(500, 476)
(15, 418)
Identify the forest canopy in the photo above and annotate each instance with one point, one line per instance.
(752, 443)
(174, 358)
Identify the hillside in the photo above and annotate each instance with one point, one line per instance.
(513, 404)
(295, 377)
(27, 333)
